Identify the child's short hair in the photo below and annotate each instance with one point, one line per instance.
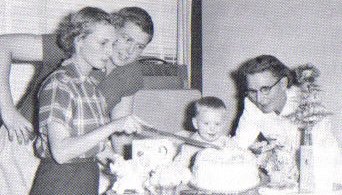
(208, 102)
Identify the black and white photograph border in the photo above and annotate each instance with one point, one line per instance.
(191, 67)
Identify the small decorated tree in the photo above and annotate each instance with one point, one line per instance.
(309, 112)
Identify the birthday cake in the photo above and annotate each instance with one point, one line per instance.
(229, 170)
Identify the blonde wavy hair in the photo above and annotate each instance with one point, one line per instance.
(80, 24)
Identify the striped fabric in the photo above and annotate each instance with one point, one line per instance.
(70, 99)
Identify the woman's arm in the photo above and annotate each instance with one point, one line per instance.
(248, 128)
(64, 148)
(19, 47)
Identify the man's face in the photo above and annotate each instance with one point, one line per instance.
(275, 98)
(130, 44)
(210, 123)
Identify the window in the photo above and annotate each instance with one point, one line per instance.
(163, 13)
(42, 16)
(171, 41)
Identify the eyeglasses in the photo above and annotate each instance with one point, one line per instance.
(265, 90)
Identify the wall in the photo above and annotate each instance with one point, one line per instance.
(296, 32)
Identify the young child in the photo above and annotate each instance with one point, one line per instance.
(210, 121)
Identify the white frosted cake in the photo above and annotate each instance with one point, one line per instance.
(230, 170)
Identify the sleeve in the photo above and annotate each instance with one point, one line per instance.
(247, 130)
(134, 79)
(52, 54)
(121, 82)
(55, 103)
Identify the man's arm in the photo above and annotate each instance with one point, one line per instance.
(16, 47)
(247, 130)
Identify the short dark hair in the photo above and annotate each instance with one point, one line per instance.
(209, 102)
(139, 17)
(265, 63)
(79, 23)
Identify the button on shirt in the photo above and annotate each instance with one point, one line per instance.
(72, 100)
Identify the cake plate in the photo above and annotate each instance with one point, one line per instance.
(194, 190)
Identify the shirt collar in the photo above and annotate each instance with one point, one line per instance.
(75, 73)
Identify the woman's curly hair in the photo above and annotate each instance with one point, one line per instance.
(79, 23)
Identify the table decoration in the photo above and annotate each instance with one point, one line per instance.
(278, 160)
(309, 112)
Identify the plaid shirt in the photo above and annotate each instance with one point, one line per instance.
(72, 100)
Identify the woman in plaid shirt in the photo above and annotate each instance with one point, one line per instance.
(73, 124)
(117, 86)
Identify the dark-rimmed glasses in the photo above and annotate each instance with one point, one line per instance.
(265, 90)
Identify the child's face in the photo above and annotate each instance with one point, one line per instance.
(210, 123)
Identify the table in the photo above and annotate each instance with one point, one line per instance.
(185, 190)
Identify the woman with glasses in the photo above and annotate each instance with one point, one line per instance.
(270, 95)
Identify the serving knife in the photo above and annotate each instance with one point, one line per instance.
(156, 132)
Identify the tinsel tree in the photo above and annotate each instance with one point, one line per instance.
(311, 109)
